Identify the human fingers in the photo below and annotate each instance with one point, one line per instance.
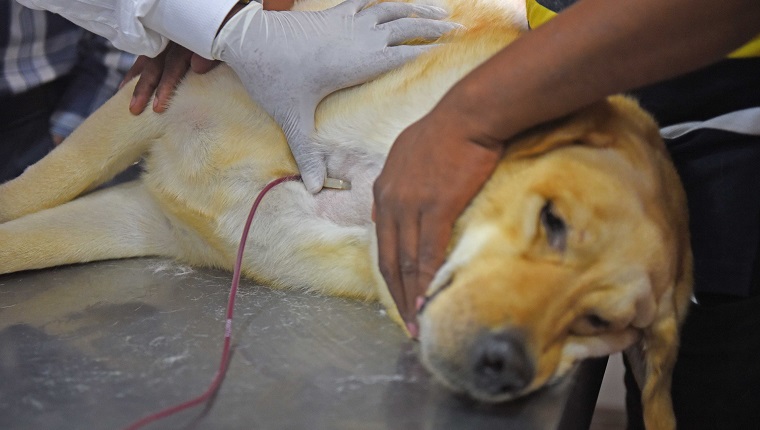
(387, 242)
(134, 71)
(150, 76)
(390, 11)
(435, 233)
(350, 7)
(397, 201)
(405, 29)
(310, 160)
(313, 170)
(278, 4)
(202, 65)
(408, 228)
(396, 56)
(176, 64)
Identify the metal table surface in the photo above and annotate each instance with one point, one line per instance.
(97, 346)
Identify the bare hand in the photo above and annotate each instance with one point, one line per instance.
(433, 171)
(161, 75)
(278, 4)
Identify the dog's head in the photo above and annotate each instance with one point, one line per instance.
(577, 247)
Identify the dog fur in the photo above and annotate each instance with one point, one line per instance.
(577, 247)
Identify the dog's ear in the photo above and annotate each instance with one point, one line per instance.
(653, 358)
(587, 127)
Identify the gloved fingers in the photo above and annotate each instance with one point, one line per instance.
(397, 56)
(391, 11)
(311, 165)
(309, 157)
(350, 7)
(404, 29)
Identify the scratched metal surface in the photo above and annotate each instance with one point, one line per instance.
(100, 345)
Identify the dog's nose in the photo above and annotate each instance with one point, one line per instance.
(500, 363)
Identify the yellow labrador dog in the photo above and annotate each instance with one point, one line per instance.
(577, 247)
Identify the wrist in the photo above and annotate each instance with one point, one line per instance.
(237, 23)
(474, 117)
(235, 9)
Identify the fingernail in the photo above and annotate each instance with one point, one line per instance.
(155, 103)
(419, 303)
(132, 102)
(413, 329)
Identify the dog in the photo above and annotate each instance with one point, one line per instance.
(577, 246)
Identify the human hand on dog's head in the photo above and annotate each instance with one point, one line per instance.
(434, 169)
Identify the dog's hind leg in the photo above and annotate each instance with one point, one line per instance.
(109, 141)
(118, 222)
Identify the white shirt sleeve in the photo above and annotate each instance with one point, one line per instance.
(145, 26)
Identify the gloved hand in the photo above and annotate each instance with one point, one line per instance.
(289, 61)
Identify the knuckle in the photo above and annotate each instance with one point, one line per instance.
(408, 267)
(148, 80)
(165, 89)
(428, 270)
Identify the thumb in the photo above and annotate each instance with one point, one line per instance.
(310, 160)
(297, 122)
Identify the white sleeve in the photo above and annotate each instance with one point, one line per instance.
(145, 26)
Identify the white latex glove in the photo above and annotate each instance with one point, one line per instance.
(289, 61)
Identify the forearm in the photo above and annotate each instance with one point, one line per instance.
(594, 49)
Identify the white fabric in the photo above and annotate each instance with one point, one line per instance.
(145, 26)
(746, 121)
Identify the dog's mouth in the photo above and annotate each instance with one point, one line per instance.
(429, 298)
(495, 366)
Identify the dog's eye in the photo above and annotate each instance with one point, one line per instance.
(597, 322)
(590, 325)
(555, 227)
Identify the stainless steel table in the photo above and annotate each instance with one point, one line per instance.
(99, 345)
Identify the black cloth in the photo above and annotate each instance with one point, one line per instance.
(721, 174)
(727, 86)
(25, 127)
(716, 382)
